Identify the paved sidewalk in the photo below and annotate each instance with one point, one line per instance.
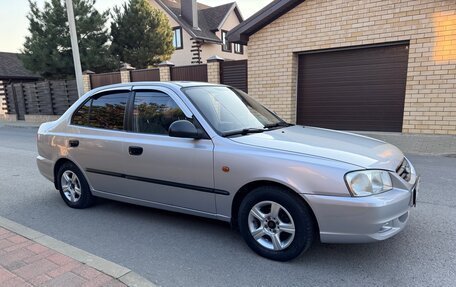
(30, 258)
(24, 262)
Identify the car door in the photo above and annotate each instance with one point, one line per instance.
(164, 169)
(96, 139)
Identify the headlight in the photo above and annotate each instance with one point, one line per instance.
(412, 168)
(368, 182)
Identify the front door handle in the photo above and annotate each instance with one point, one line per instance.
(73, 143)
(135, 150)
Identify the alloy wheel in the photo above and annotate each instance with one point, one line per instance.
(271, 225)
(71, 186)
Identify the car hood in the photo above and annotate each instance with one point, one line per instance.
(347, 147)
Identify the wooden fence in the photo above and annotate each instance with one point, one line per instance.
(40, 98)
(233, 73)
(54, 97)
(98, 80)
(189, 73)
(3, 107)
(145, 75)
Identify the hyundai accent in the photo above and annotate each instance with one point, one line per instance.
(213, 151)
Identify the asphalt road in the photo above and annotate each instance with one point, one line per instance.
(178, 250)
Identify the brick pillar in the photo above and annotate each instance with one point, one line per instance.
(87, 86)
(125, 72)
(213, 69)
(165, 71)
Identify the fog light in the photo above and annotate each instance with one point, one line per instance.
(403, 217)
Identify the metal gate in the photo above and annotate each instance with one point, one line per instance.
(196, 73)
(145, 75)
(98, 80)
(234, 73)
(360, 88)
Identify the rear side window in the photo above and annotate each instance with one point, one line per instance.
(154, 112)
(81, 116)
(106, 112)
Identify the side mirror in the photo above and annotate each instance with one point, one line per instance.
(184, 129)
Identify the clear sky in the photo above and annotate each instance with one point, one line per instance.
(13, 21)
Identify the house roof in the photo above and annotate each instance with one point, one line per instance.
(11, 67)
(241, 33)
(210, 19)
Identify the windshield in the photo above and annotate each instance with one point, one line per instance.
(230, 111)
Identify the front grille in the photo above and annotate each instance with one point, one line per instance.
(404, 171)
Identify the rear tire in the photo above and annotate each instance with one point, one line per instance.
(73, 187)
(275, 223)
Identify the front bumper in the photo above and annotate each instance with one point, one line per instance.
(361, 219)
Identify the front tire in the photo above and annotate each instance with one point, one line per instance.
(275, 223)
(73, 187)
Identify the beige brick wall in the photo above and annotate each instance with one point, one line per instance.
(213, 72)
(86, 83)
(429, 25)
(124, 76)
(165, 73)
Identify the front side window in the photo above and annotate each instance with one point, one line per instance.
(106, 111)
(177, 38)
(154, 112)
(229, 110)
(226, 46)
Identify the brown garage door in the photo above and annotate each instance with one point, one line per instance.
(354, 89)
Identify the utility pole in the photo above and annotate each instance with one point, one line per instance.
(75, 47)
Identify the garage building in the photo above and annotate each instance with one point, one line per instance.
(363, 65)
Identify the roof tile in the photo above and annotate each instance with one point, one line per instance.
(11, 67)
(209, 18)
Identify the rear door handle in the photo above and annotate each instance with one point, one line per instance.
(135, 150)
(73, 143)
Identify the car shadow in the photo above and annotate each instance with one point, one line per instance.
(221, 231)
(152, 241)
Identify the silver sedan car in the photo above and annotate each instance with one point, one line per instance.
(213, 151)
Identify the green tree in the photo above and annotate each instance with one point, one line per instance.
(47, 50)
(140, 34)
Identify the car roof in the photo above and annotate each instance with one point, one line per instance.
(180, 84)
(171, 84)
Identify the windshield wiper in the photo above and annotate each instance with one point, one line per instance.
(276, 125)
(256, 130)
(243, 132)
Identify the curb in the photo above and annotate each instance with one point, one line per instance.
(19, 126)
(112, 269)
(431, 145)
